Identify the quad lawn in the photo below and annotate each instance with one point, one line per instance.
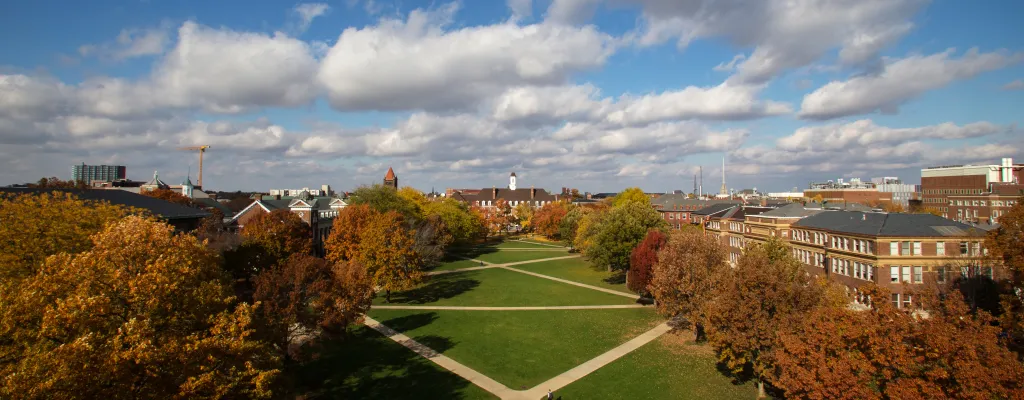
(496, 287)
(367, 365)
(511, 244)
(457, 264)
(503, 257)
(577, 270)
(521, 349)
(666, 368)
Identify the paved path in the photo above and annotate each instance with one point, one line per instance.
(540, 244)
(529, 249)
(615, 292)
(586, 368)
(528, 308)
(460, 270)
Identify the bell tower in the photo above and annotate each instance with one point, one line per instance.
(512, 181)
(390, 179)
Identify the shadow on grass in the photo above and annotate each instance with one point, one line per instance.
(367, 365)
(439, 287)
(410, 322)
(617, 278)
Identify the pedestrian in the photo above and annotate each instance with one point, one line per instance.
(551, 396)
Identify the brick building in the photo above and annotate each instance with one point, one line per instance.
(939, 183)
(851, 191)
(987, 207)
(731, 228)
(513, 194)
(677, 209)
(317, 212)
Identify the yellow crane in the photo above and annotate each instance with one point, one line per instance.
(202, 149)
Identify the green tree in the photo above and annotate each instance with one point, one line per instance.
(570, 224)
(457, 218)
(385, 198)
(144, 312)
(414, 197)
(623, 229)
(631, 195)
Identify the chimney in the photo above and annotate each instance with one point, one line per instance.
(494, 192)
(1007, 170)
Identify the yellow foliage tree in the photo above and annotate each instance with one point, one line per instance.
(631, 195)
(386, 250)
(415, 197)
(142, 313)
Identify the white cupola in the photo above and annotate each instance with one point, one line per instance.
(512, 181)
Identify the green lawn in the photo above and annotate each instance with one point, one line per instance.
(457, 264)
(503, 257)
(666, 368)
(521, 245)
(521, 349)
(368, 365)
(497, 287)
(577, 270)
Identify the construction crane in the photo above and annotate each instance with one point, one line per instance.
(202, 149)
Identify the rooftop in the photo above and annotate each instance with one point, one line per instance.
(160, 208)
(894, 224)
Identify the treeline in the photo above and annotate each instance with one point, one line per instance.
(103, 301)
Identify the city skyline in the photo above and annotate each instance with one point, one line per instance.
(582, 93)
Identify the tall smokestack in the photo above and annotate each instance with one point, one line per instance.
(724, 190)
(700, 189)
(1007, 170)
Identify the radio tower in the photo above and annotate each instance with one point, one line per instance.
(724, 190)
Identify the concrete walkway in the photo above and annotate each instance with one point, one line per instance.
(526, 308)
(540, 244)
(528, 249)
(460, 270)
(574, 283)
(465, 372)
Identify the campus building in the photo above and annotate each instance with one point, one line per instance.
(939, 183)
(512, 194)
(317, 212)
(101, 173)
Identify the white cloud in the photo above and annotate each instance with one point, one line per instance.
(731, 65)
(902, 80)
(520, 8)
(307, 12)
(571, 11)
(132, 43)
(866, 134)
(1015, 85)
(418, 64)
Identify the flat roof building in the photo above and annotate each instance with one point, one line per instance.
(104, 173)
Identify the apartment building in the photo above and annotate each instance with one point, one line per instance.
(939, 183)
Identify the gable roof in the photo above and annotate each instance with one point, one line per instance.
(511, 195)
(160, 208)
(742, 212)
(894, 224)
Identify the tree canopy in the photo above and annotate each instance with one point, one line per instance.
(547, 220)
(169, 195)
(386, 251)
(619, 232)
(343, 242)
(459, 222)
(686, 276)
(631, 195)
(1004, 247)
(385, 198)
(642, 261)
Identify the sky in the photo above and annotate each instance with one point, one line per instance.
(597, 95)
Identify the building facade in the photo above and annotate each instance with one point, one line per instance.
(677, 209)
(390, 179)
(902, 193)
(317, 212)
(324, 191)
(513, 195)
(985, 208)
(939, 183)
(103, 173)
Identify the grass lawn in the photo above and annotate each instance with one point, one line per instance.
(521, 349)
(577, 270)
(368, 365)
(522, 245)
(457, 264)
(666, 368)
(503, 257)
(497, 287)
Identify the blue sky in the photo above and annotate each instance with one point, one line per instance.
(593, 94)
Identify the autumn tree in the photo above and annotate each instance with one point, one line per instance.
(267, 239)
(343, 242)
(168, 195)
(143, 312)
(767, 291)
(502, 216)
(414, 197)
(548, 219)
(618, 233)
(524, 212)
(570, 224)
(55, 183)
(383, 199)
(685, 277)
(838, 353)
(588, 228)
(36, 226)
(1004, 247)
(459, 222)
(631, 195)
(306, 297)
(386, 251)
(642, 260)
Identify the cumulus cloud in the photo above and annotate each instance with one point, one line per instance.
(520, 8)
(418, 63)
(1015, 85)
(306, 12)
(132, 43)
(902, 80)
(865, 134)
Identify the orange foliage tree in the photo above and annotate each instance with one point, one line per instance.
(547, 220)
(143, 312)
(1004, 247)
(686, 275)
(386, 250)
(884, 353)
(642, 260)
(343, 243)
(169, 195)
(280, 232)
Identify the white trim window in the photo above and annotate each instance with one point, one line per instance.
(894, 248)
(940, 248)
(917, 248)
(918, 274)
(894, 274)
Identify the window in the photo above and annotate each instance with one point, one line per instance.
(856, 270)
(918, 272)
(896, 300)
(894, 274)
(940, 274)
(906, 301)
(917, 248)
(983, 203)
(671, 216)
(906, 274)
(940, 248)
(871, 272)
(905, 248)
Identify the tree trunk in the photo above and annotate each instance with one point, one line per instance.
(698, 333)
(387, 296)
(760, 389)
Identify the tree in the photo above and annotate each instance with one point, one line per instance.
(460, 223)
(383, 199)
(306, 296)
(548, 219)
(686, 276)
(502, 215)
(54, 183)
(588, 229)
(767, 291)
(216, 234)
(171, 196)
(45, 224)
(631, 195)
(386, 250)
(343, 242)
(617, 235)
(570, 224)
(524, 213)
(818, 199)
(834, 352)
(414, 197)
(267, 239)
(1004, 247)
(642, 260)
(144, 312)
(430, 239)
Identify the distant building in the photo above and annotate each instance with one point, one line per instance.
(786, 195)
(324, 191)
(183, 218)
(102, 173)
(939, 183)
(852, 191)
(512, 194)
(390, 179)
(317, 212)
(984, 208)
(902, 193)
(677, 209)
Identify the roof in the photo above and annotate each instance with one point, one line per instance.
(160, 208)
(669, 201)
(793, 210)
(390, 175)
(156, 181)
(511, 195)
(882, 224)
(715, 208)
(513, 174)
(208, 202)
